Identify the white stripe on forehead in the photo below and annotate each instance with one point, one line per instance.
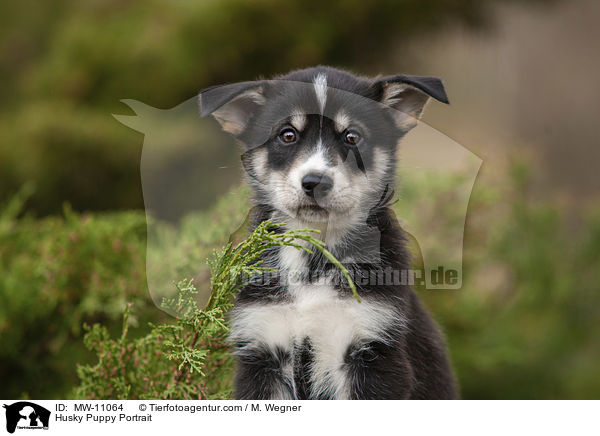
(320, 84)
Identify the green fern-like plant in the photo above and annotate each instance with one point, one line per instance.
(189, 358)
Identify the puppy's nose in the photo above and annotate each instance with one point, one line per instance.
(316, 183)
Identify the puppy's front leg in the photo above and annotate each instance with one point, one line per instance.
(264, 374)
(377, 371)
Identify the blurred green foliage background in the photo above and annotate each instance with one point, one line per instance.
(65, 65)
(73, 229)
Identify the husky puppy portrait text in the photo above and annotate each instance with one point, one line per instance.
(319, 149)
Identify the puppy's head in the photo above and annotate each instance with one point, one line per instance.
(319, 144)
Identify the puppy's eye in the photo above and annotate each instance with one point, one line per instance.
(351, 137)
(288, 136)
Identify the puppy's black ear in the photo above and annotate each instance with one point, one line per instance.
(408, 95)
(232, 105)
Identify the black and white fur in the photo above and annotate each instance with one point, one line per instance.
(301, 335)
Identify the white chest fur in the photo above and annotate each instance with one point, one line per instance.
(331, 323)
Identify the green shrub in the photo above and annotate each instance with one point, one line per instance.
(522, 326)
(56, 273)
(188, 359)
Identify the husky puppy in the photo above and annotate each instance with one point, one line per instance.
(319, 149)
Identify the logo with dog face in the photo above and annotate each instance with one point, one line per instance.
(320, 150)
(25, 415)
